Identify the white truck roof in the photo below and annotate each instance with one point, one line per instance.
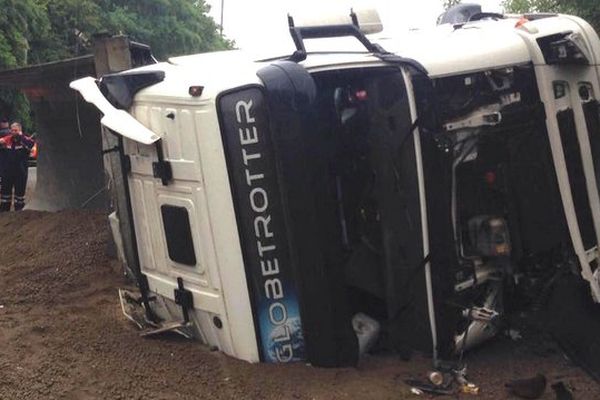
(443, 51)
(220, 71)
(473, 47)
(482, 45)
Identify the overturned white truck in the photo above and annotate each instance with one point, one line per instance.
(434, 188)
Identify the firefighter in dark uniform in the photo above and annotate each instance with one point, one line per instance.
(16, 147)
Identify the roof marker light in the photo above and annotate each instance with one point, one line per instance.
(522, 24)
(196, 91)
(522, 21)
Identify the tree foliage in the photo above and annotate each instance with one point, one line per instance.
(450, 3)
(22, 23)
(37, 31)
(586, 9)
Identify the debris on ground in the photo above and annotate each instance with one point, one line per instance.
(63, 336)
(448, 380)
(427, 387)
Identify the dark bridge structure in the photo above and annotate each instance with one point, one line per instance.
(70, 170)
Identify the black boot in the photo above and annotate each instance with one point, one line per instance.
(19, 203)
(5, 201)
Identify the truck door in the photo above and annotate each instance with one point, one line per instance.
(176, 233)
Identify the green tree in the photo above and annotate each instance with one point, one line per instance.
(586, 9)
(37, 31)
(450, 3)
(171, 27)
(22, 24)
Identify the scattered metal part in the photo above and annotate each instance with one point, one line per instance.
(427, 387)
(483, 274)
(484, 116)
(460, 374)
(482, 314)
(529, 388)
(484, 319)
(133, 309)
(448, 379)
(180, 327)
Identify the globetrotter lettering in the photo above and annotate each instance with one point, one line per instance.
(267, 250)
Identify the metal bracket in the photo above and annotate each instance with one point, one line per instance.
(318, 32)
(126, 163)
(113, 149)
(485, 116)
(185, 299)
(161, 168)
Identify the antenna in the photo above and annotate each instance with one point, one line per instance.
(222, 8)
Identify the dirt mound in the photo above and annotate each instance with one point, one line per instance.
(62, 336)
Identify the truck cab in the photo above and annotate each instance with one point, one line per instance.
(282, 205)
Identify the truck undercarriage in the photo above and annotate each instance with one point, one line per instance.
(508, 224)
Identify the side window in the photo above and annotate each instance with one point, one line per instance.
(178, 233)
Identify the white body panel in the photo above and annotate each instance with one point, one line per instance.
(445, 51)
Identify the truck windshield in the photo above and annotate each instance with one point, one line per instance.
(364, 123)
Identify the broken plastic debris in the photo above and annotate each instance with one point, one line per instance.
(470, 388)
